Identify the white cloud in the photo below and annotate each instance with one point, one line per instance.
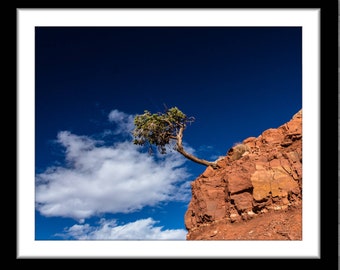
(100, 179)
(123, 121)
(143, 229)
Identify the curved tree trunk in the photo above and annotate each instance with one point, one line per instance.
(181, 150)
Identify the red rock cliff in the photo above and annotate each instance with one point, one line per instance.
(256, 193)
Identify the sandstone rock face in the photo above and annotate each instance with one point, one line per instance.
(260, 177)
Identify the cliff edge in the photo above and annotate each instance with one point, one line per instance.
(255, 194)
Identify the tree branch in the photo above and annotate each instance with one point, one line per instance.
(181, 150)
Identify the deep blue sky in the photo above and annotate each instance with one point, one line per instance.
(236, 82)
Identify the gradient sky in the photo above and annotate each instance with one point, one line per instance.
(91, 181)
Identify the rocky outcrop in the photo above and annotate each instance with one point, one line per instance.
(258, 177)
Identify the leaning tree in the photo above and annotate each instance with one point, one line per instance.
(162, 129)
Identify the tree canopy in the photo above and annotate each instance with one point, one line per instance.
(160, 129)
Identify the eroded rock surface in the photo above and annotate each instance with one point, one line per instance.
(258, 183)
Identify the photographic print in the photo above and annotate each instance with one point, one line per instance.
(170, 133)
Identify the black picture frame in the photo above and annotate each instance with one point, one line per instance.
(329, 243)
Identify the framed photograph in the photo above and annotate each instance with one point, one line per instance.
(131, 122)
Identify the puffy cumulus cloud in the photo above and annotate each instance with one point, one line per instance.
(143, 229)
(124, 122)
(100, 179)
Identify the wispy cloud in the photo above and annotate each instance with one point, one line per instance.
(144, 229)
(208, 152)
(101, 179)
(124, 122)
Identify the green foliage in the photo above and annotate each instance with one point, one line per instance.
(159, 128)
